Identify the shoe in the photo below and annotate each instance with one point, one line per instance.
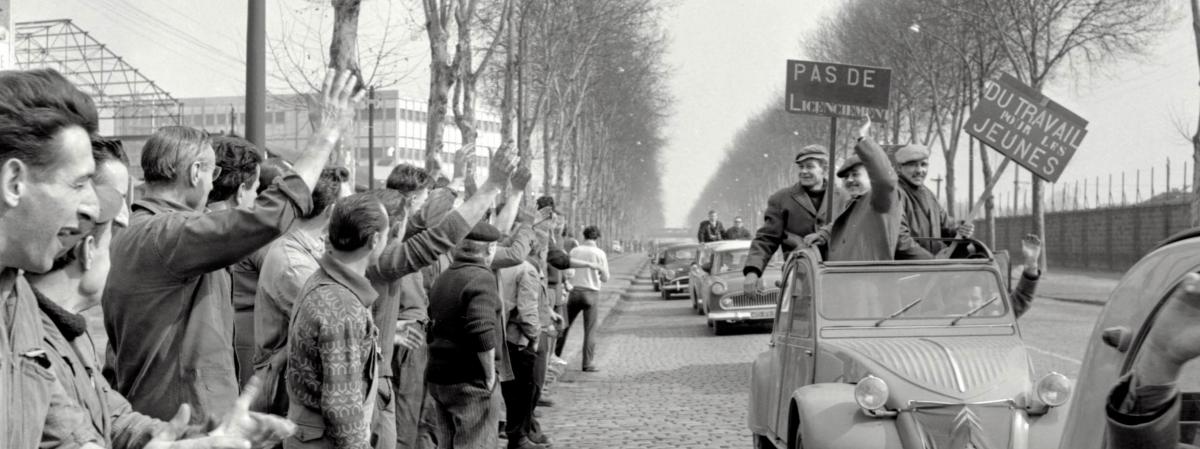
(540, 438)
(591, 369)
(525, 443)
(545, 402)
(556, 360)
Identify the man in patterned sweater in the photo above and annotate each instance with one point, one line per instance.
(333, 359)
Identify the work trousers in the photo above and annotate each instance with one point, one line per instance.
(519, 392)
(585, 302)
(408, 369)
(466, 416)
(545, 348)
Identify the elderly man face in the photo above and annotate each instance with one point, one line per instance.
(811, 173)
(915, 171)
(856, 181)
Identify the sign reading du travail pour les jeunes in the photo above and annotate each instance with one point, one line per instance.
(1027, 127)
(838, 90)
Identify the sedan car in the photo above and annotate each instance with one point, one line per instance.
(916, 354)
(717, 287)
(671, 271)
(1117, 338)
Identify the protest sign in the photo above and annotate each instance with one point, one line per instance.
(1027, 127)
(838, 90)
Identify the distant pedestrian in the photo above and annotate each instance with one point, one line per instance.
(333, 348)
(585, 293)
(463, 311)
(711, 230)
(737, 231)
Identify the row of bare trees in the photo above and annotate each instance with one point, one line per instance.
(581, 80)
(942, 52)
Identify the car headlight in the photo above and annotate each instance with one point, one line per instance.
(726, 302)
(1053, 389)
(871, 393)
(718, 288)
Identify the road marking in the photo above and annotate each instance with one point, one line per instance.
(1055, 355)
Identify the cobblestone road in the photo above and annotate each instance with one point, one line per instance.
(665, 382)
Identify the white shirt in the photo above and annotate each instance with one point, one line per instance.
(587, 278)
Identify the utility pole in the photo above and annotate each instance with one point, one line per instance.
(938, 192)
(256, 72)
(371, 137)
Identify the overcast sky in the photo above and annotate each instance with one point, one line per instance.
(727, 60)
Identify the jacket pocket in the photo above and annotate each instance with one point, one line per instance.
(306, 433)
(31, 387)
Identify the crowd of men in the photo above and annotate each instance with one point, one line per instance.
(252, 302)
(712, 230)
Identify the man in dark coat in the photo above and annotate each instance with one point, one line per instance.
(794, 211)
(711, 230)
(923, 215)
(464, 308)
(737, 231)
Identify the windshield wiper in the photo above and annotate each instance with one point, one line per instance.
(975, 310)
(900, 312)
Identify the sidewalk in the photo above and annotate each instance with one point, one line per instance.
(1090, 287)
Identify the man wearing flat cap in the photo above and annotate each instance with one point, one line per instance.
(795, 211)
(923, 215)
(464, 311)
(871, 225)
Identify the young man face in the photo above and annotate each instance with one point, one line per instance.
(737, 222)
(856, 181)
(41, 204)
(915, 171)
(712, 217)
(811, 173)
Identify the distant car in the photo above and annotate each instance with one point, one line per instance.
(671, 271)
(1117, 338)
(918, 354)
(616, 247)
(717, 287)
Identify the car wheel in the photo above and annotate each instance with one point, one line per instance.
(657, 287)
(692, 297)
(666, 295)
(720, 328)
(762, 442)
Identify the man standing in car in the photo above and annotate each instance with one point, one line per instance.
(711, 230)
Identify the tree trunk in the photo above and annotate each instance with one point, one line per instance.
(507, 109)
(343, 52)
(441, 78)
(464, 69)
(1196, 137)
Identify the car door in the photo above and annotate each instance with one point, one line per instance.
(777, 358)
(798, 348)
(696, 275)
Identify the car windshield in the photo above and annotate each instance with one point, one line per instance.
(950, 294)
(681, 254)
(736, 259)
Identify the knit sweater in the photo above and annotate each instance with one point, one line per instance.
(464, 309)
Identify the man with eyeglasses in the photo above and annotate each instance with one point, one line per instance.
(167, 310)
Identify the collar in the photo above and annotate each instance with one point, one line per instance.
(355, 282)
(589, 243)
(460, 259)
(71, 325)
(314, 246)
(160, 205)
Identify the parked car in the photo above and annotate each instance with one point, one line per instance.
(717, 287)
(918, 354)
(672, 268)
(1117, 339)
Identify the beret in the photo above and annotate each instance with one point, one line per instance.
(484, 232)
(911, 153)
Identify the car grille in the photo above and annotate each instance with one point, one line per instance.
(765, 299)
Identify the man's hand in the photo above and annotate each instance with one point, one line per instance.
(1175, 338)
(865, 129)
(520, 178)
(502, 165)
(168, 438)
(815, 239)
(557, 319)
(259, 429)
(405, 337)
(334, 107)
(463, 159)
(752, 283)
(966, 229)
(1031, 248)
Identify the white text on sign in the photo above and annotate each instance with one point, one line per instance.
(829, 74)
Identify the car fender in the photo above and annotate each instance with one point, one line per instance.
(761, 417)
(828, 418)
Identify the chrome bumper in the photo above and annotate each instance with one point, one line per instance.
(742, 315)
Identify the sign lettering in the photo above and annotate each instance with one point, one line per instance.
(841, 90)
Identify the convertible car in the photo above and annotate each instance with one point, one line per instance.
(918, 354)
(716, 287)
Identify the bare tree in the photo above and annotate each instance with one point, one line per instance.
(1196, 136)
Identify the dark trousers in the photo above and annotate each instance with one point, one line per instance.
(519, 392)
(408, 368)
(582, 301)
(545, 347)
(466, 416)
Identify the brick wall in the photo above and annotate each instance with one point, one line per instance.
(1100, 239)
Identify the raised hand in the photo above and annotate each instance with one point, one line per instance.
(502, 165)
(335, 106)
(966, 229)
(168, 438)
(1031, 248)
(1175, 338)
(865, 129)
(520, 178)
(814, 239)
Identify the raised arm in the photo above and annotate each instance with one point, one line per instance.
(879, 169)
(768, 237)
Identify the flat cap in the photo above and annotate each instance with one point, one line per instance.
(484, 232)
(911, 153)
(813, 152)
(850, 162)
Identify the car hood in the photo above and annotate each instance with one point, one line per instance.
(955, 369)
(733, 279)
(675, 265)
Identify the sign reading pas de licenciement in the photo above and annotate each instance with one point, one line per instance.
(1027, 126)
(822, 88)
